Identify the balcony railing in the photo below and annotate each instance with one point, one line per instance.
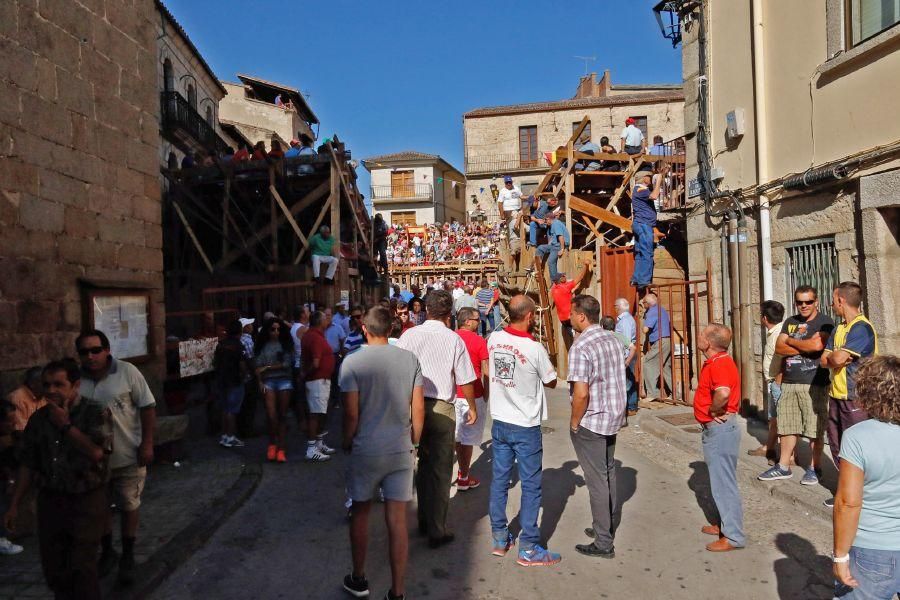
(178, 116)
(675, 192)
(504, 163)
(408, 192)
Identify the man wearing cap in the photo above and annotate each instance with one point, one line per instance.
(632, 139)
(557, 242)
(509, 203)
(538, 218)
(643, 220)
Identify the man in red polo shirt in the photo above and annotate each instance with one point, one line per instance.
(467, 436)
(716, 404)
(318, 365)
(562, 298)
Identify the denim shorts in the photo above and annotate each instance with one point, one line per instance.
(230, 399)
(876, 571)
(774, 397)
(281, 384)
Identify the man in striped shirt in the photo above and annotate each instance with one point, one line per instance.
(485, 298)
(445, 364)
(597, 388)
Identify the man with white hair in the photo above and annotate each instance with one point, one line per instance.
(626, 326)
(643, 220)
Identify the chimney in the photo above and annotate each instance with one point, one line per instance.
(587, 86)
(605, 84)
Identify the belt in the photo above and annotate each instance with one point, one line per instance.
(708, 425)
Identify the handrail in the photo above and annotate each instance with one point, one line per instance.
(406, 191)
(177, 113)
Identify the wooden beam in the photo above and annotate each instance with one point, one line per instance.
(192, 235)
(315, 226)
(287, 214)
(601, 214)
(258, 236)
(351, 197)
(592, 227)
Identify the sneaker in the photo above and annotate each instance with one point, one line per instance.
(313, 454)
(775, 473)
(8, 548)
(501, 547)
(809, 477)
(829, 503)
(271, 452)
(469, 483)
(225, 441)
(280, 456)
(537, 557)
(358, 587)
(236, 443)
(325, 449)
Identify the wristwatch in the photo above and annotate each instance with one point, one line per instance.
(840, 559)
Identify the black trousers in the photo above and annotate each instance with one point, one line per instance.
(69, 530)
(596, 455)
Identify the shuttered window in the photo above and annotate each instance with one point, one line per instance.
(812, 262)
(528, 151)
(402, 184)
(405, 218)
(868, 18)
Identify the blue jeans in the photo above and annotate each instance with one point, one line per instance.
(498, 318)
(721, 442)
(511, 444)
(878, 574)
(534, 230)
(643, 254)
(631, 391)
(487, 323)
(553, 251)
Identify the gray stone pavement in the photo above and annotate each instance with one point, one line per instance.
(289, 540)
(176, 500)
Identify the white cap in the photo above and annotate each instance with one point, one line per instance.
(245, 322)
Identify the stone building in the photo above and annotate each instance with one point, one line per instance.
(414, 188)
(790, 100)
(250, 107)
(79, 179)
(516, 139)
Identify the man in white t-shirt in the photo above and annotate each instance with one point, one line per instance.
(509, 203)
(772, 318)
(520, 368)
(632, 139)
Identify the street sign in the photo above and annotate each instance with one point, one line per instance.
(694, 187)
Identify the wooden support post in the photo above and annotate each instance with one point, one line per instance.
(192, 235)
(272, 217)
(226, 207)
(336, 226)
(315, 227)
(570, 189)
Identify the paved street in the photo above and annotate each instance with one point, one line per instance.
(289, 540)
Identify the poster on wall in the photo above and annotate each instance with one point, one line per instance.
(125, 319)
(345, 298)
(195, 357)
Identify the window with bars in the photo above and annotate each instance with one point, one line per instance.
(528, 150)
(585, 136)
(868, 18)
(812, 262)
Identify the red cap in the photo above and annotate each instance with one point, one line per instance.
(629, 121)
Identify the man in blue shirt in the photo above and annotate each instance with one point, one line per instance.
(626, 325)
(591, 148)
(557, 242)
(658, 148)
(643, 220)
(538, 218)
(658, 332)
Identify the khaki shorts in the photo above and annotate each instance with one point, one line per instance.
(803, 410)
(393, 473)
(126, 485)
(318, 391)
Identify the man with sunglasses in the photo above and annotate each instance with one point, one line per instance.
(120, 387)
(468, 436)
(803, 407)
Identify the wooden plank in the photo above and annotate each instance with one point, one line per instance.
(544, 296)
(287, 214)
(192, 235)
(351, 197)
(315, 227)
(601, 214)
(592, 228)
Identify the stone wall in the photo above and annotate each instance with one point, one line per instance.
(79, 187)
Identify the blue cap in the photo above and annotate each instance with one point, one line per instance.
(507, 179)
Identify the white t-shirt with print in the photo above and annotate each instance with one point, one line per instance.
(519, 368)
(511, 199)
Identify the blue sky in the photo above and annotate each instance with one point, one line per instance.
(389, 76)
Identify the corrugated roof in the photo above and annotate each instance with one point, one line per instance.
(673, 95)
(172, 21)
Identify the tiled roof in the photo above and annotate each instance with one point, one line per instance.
(673, 95)
(403, 155)
(171, 18)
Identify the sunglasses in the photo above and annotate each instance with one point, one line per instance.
(804, 302)
(356, 316)
(95, 350)
(402, 312)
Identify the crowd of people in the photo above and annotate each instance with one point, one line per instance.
(436, 243)
(301, 146)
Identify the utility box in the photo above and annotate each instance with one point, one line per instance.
(734, 123)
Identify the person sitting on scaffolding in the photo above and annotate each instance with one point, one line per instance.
(555, 248)
(539, 222)
(321, 245)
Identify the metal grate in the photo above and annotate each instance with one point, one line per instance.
(812, 262)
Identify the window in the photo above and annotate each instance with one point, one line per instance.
(641, 123)
(405, 217)
(528, 187)
(402, 184)
(457, 190)
(868, 18)
(528, 152)
(585, 136)
(168, 76)
(812, 262)
(209, 116)
(192, 96)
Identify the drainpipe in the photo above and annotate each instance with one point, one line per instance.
(734, 287)
(746, 355)
(762, 148)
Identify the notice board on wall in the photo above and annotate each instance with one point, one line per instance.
(125, 319)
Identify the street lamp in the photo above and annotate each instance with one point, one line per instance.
(495, 193)
(667, 17)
